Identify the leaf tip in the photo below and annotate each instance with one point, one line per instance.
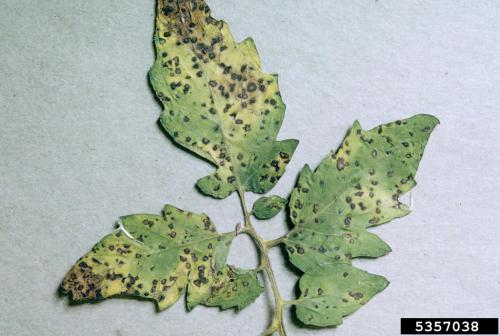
(433, 119)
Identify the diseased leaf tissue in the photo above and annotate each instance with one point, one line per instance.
(160, 258)
(218, 102)
(352, 189)
(220, 105)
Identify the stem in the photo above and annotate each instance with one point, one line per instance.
(265, 265)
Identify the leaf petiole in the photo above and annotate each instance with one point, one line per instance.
(275, 242)
(265, 265)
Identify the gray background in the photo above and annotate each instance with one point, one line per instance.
(79, 146)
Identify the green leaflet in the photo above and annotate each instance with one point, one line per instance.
(158, 257)
(333, 291)
(217, 101)
(268, 207)
(356, 187)
(241, 290)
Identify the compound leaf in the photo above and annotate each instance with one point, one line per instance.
(352, 189)
(268, 206)
(217, 101)
(158, 257)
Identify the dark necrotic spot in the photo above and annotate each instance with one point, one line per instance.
(340, 163)
(284, 155)
(167, 10)
(251, 87)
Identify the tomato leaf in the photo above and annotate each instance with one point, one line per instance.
(218, 103)
(268, 207)
(159, 258)
(352, 189)
(333, 291)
